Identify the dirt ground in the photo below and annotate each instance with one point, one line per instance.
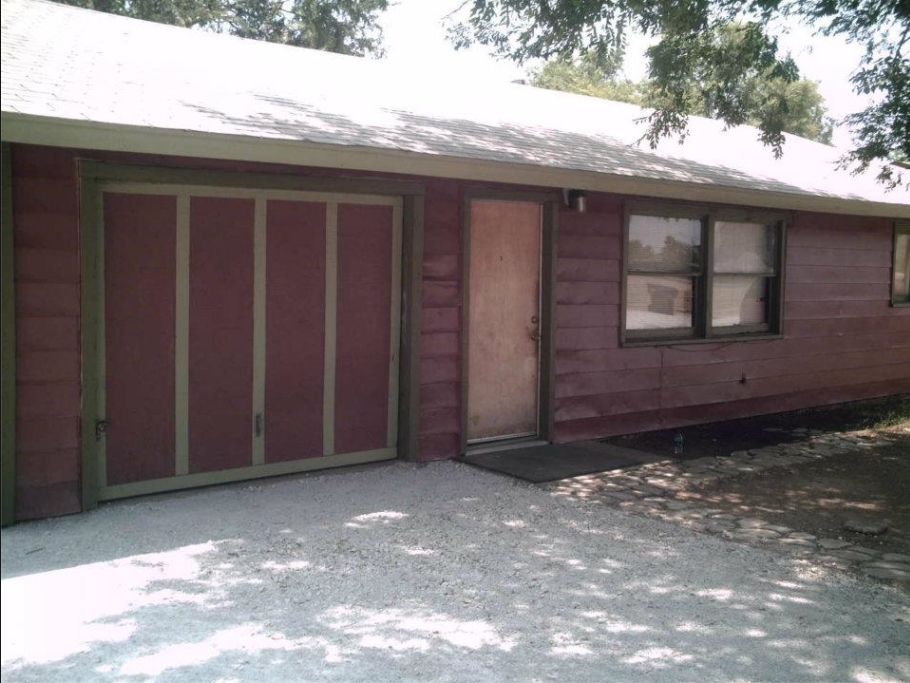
(868, 485)
(820, 497)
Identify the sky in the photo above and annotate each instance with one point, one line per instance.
(415, 40)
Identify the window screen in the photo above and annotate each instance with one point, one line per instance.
(744, 268)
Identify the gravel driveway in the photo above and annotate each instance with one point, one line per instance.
(435, 573)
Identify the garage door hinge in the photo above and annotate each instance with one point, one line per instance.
(100, 429)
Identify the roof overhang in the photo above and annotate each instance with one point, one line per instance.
(90, 135)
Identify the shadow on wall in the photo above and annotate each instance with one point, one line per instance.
(434, 573)
(404, 131)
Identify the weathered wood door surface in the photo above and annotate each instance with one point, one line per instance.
(504, 320)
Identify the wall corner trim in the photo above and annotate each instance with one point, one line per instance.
(8, 313)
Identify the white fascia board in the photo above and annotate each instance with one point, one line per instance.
(90, 135)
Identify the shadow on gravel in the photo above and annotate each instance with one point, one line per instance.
(403, 573)
(867, 487)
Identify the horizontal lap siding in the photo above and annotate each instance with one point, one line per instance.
(439, 434)
(46, 218)
(643, 419)
(588, 273)
(843, 341)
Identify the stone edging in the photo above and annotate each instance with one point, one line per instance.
(654, 490)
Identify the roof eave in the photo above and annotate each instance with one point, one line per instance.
(91, 135)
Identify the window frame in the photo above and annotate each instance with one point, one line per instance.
(900, 228)
(703, 331)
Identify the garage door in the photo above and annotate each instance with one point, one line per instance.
(245, 334)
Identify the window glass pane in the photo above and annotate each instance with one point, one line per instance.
(659, 302)
(739, 300)
(902, 268)
(664, 244)
(743, 247)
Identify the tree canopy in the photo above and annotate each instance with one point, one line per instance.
(721, 50)
(798, 104)
(344, 26)
(586, 76)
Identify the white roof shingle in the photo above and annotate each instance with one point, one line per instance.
(65, 64)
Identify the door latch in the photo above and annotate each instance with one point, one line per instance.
(258, 424)
(101, 429)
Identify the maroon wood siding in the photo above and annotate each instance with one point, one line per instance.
(45, 217)
(440, 351)
(842, 340)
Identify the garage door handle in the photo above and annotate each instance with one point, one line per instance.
(101, 429)
(258, 424)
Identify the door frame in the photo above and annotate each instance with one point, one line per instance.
(549, 202)
(94, 175)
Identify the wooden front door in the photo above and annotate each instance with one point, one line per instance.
(504, 320)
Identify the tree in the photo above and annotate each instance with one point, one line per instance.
(343, 26)
(691, 50)
(798, 104)
(801, 105)
(586, 76)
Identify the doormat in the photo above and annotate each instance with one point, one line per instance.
(551, 462)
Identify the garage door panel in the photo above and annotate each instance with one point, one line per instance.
(139, 304)
(220, 333)
(295, 329)
(246, 333)
(364, 300)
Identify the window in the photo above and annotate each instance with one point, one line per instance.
(900, 282)
(693, 274)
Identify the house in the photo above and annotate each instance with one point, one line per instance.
(225, 259)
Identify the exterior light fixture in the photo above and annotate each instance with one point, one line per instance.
(576, 200)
